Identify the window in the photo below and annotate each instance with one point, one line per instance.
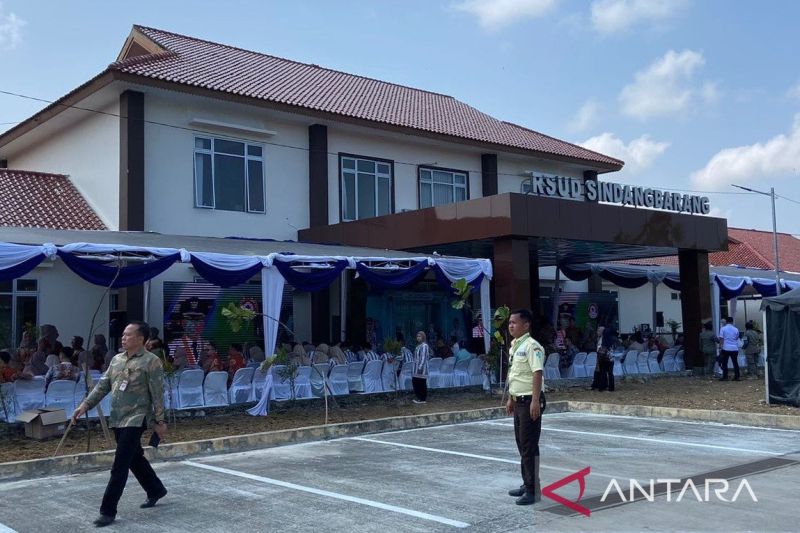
(366, 187)
(676, 295)
(19, 303)
(228, 175)
(439, 187)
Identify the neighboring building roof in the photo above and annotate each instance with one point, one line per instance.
(192, 62)
(746, 248)
(41, 200)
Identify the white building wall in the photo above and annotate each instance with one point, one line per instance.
(636, 306)
(169, 169)
(89, 154)
(511, 171)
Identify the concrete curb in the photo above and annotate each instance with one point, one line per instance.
(699, 415)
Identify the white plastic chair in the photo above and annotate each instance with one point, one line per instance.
(642, 366)
(475, 371)
(29, 393)
(630, 365)
(319, 375)
(578, 367)
(281, 387)
(61, 395)
(171, 387)
(302, 383)
(215, 389)
(679, 361)
(404, 379)
(242, 386)
(434, 365)
(616, 357)
(338, 381)
(590, 363)
(652, 362)
(354, 371)
(372, 377)
(551, 370)
(258, 384)
(444, 378)
(389, 377)
(190, 389)
(668, 362)
(461, 373)
(8, 410)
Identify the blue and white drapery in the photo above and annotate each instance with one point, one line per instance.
(627, 277)
(392, 278)
(477, 273)
(226, 270)
(16, 260)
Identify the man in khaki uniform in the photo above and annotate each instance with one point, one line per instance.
(526, 400)
(135, 380)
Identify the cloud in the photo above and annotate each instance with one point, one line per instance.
(494, 14)
(794, 92)
(777, 156)
(638, 154)
(585, 117)
(666, 87)
(10, 30)
(610, 16)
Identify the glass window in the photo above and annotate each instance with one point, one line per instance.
(440, 187)
(366, 188)
(27, 285)
(226, 178)
(18, 310)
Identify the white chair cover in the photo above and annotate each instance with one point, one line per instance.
(190, 389)
(8, 409)
(578, 367)
(434, 365)
(461, 373)
(372, 377)
(404, 379)
(242, 386)
(389, 376)
(475, 371)
(259, 378)
(590, 363)
(642, 366)
(302, 383)
(630, 365)
(679, 361)
(281, 387)
(61, 395)
(668, 362)
(354, 371)
(262, 407)
(215, 389)
(652, 362)
(319, 375)
(444, 378)
(338, 381)
(551, 370)
(29, 393)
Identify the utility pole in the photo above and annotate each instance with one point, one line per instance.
(771, 194)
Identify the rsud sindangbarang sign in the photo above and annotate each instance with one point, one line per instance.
(615, 193)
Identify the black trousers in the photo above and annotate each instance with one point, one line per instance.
(420, 386)
(723, 363)
(606, 379)
(527, 433)
(129, 456)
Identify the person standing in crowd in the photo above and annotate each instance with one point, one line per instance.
(63, 370)
(211, 360)
(478, 333)
(99, 353)
(135, 381)
(235, 360)
(526, 402)
(81, 357)
(419, 377)
(708, 347)
(752, 348)
(38, 362)
(729, 338)
(604, 375)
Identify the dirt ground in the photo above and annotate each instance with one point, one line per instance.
(687, 392)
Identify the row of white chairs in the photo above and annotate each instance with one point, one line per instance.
(635, 363)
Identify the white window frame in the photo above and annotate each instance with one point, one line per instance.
(247, 158)
(431, 182)
(377, 175)
(14, 293)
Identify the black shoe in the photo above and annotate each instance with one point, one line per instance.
(526, 499)
(737, 379)
(723, 379)
(517, 492)
(103, 520)
(151, 502)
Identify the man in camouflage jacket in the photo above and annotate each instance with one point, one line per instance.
(135, 380)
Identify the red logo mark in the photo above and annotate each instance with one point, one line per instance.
(580, 476)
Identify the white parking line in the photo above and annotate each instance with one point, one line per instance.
(470, 455)
(335, 495)
(647, 439)
(6, 529)
(673, 421)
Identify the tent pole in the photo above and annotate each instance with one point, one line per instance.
(655, 296)
(766, 359)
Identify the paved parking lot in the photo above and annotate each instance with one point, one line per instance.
(451, 477)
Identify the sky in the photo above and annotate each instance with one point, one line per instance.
(694, 95)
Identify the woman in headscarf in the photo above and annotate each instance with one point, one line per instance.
(336, 355)
(321, 354)
(256, 354)
(298, 355)
(419, 378)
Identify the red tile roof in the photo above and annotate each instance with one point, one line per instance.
(747, 248)
(195, 62)
(41, 200)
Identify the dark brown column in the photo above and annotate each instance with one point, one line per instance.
(321, 316)
(357, 310)
(695, 302)
(512, 277)
(533, 276)
(590, 175)
(131, 185)
(595, 283)
(318, 175)
(489, 174)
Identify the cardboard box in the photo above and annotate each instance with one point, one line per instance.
(43, 423)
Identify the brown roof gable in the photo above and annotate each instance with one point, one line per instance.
(41, 200)
(208, 66)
